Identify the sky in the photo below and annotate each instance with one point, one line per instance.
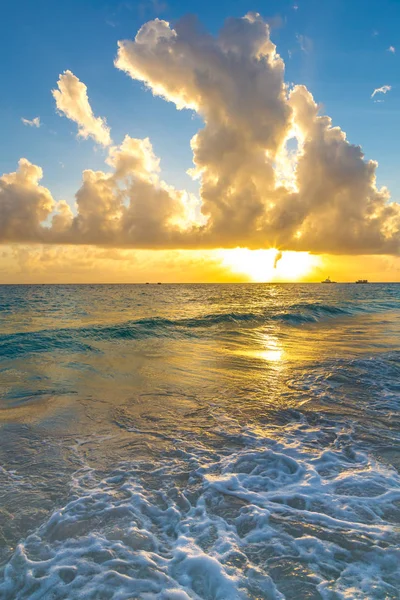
(184, 196)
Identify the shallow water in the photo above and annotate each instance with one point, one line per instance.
(200, 441)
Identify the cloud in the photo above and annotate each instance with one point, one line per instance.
(235, 83)
(273, 171)
(382, 90)
(33, 123)
(305, 43)
(130, 206)
(24, 204)
(392, 49)
(72, 100)
(340, 208)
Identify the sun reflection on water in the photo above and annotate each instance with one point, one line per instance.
(270, 350)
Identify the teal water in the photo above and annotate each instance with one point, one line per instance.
(200, 441)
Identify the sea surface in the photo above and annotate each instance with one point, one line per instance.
(200, 441)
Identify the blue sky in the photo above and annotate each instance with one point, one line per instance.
(344, 58)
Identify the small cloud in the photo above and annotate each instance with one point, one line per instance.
(33, 123)
(375, 33)
(295, 7)
(392, 49)
(72, 101)
(305, 43)
(382, 90)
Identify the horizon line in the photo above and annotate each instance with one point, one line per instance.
(204, 283)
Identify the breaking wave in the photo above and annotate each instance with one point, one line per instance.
(82, 339)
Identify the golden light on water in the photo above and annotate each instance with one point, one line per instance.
(273, 352)
(270, 265)
(269, 349)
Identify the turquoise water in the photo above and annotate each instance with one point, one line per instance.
(200, 441)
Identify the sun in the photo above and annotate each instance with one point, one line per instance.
(269, 265)
(294, 266)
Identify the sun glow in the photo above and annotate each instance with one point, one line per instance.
(270, 265)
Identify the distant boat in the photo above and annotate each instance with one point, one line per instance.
(327, 280)
(159, 283)
(362, 281)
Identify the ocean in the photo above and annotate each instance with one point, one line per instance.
(200, 441)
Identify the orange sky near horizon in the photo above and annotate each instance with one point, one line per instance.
(86, 264)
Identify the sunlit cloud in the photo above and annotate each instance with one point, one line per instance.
(72, 101)
(31, 123)
(382, 90)
(392, 49)
(273, 171)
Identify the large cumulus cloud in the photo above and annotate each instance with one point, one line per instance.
(24, 204)
(129, 206)
(254, 192)
(339, 205)
(235, 82)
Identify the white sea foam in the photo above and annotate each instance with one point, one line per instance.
(286, 516)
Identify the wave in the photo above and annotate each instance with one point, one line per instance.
(82, 339)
